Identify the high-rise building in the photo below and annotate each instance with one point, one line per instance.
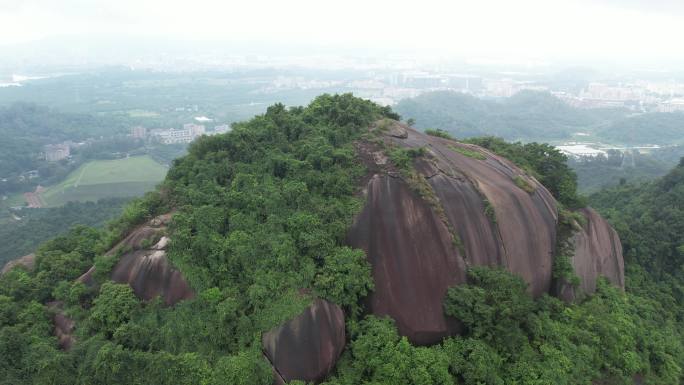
(139, 132)
(195, 129)
(56, 152)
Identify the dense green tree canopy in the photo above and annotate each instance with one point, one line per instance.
(260, 216)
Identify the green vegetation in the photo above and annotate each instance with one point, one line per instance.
(651, 128)
(489, 210)
(508, 338)
(522, 183)
(568, 223)
(260, 219)
(527, 115)
(468, 152)
(403, 157)
(650, 220)
(106, 179)
(535, 116)
(617, 167)
(439, 133)
(25, 128)
(21, 237)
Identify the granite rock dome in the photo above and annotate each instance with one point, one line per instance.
(460, 205)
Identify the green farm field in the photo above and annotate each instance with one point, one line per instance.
(106, 179)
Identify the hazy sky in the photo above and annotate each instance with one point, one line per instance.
(517, 29)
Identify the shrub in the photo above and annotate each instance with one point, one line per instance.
(439, 133)
(468, 152)
(522, 183)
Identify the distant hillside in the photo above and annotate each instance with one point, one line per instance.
(528, 115)
(25, 128)
(538, 116)
(650, 218)
(653, 128)
(38, 225)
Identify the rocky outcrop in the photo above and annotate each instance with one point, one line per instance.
(307, 347)
(413, 256)
(144, 266)
(598, 253)
(27, 261)
(63, 325)
(459, 206)
(150, 274)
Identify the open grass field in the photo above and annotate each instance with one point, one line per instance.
(106, 179)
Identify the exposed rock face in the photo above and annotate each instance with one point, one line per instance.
(28, 261)
(307, 347)
(150, 274)
(598, 252)
(145, 267)
(64, 326)
(477, 209)
(413, 257)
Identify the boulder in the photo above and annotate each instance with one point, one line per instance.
(145, 266)
(598, 253)
(413, 256)
(63, 325)
(27, 261)
(307, 347)
(463, 206)
(150, 274)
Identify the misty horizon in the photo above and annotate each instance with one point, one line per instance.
(607, 35)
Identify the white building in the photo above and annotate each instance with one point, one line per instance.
(187, 134)
(672, 105)
(221, 129)
(56, 152)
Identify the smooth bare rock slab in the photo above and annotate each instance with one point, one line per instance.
(462, 206)
(525, 222)
(150, 274)
(27, 261)
(598, 252)
(87, 277)
(413, 257)
(63, 325)
(307, 347)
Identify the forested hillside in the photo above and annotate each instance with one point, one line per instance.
(538, 116)
(650, 218)
(260, 217)
(21, 237)
(651, 128)
(527, 115)
(25, 128)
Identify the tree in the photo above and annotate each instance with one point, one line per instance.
(493, 306)
(345, 277)
(244, 368)
(114, 306)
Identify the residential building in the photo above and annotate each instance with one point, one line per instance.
(56, 152)
(139, 132)
(187, 134)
